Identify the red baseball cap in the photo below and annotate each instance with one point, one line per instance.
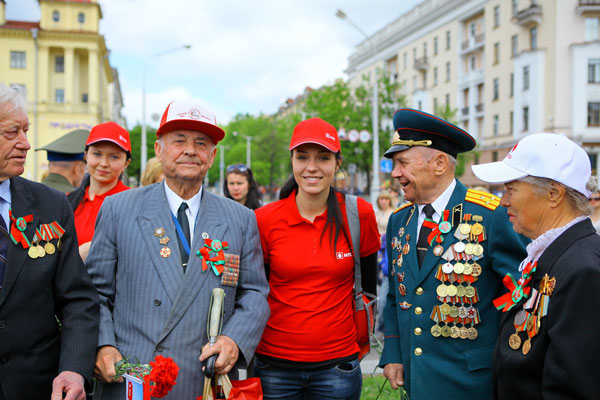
(315, 130)
(181, 115)
(110, 132)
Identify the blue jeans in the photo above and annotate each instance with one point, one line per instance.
(340, 382)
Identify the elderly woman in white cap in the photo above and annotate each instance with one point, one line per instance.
(548, 346)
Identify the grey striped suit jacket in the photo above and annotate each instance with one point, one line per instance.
(148, 306)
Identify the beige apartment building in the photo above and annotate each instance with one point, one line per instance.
(508, 67)
(61, 63)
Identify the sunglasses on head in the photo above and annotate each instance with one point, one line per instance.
(237, 167)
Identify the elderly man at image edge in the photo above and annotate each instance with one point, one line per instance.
(448, 249)
(154, 288)
(39, 279)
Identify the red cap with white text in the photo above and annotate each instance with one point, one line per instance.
(317, 131)
(181, 115)
(110, 132)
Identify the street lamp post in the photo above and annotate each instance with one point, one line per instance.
(375, 179)
(248, 151)
(144, 150)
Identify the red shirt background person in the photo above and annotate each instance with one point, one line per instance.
(309, 345)
(107, 154)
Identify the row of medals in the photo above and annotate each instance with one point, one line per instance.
(470, 251)
(36, 250)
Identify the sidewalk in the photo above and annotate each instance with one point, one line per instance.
(369, 364)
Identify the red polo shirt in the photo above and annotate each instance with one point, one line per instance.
(87, 211)
(311, 286)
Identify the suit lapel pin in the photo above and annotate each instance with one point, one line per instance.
(159, 232)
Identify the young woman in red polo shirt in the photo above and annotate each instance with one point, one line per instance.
(107, 154)
(308, 349)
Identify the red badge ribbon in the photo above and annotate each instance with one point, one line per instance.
(516, 289)
(17, 228)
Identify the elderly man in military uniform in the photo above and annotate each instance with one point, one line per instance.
(448, 249)
(66, 167)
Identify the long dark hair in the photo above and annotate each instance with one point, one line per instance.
(335, 220)
(253, 199)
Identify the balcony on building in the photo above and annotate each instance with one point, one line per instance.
(470, 78)
(587, 7)
(473, 44)
(421, 64)
(479, 110)
(530, 16)
(465, 111)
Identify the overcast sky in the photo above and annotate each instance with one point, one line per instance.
(246, 56)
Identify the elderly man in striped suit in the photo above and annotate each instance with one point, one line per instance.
(158, 252)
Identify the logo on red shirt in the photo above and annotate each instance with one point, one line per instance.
(340, 255)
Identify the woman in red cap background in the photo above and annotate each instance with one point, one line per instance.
(308, 349)
(107, 154)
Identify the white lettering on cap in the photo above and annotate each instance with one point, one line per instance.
(327, 135)
(122, 138)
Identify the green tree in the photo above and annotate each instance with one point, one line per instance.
(463, 159)
(351, 108)
(135, 135)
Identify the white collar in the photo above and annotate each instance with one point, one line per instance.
(537, 247)
(439, 204)
(175, 201)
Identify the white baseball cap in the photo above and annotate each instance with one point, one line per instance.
(545, 155)
(181, 115)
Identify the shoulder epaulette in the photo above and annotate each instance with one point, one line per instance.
(482, 198)
(402, 207)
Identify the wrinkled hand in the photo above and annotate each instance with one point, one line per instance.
(70, 383)
(395, 374)
(106, 358)
(228, 354)
(84, 250)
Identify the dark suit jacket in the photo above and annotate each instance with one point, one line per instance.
(33, 348)
(564, 356)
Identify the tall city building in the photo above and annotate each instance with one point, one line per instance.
(62, 65)
(507, 67)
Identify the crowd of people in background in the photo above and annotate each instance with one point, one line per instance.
(108, 271)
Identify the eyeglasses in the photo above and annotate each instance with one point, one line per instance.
(237, 167)
(594, 198)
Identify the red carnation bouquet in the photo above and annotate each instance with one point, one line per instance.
(158, 376)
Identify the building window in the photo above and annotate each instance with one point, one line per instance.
(533, 38)
(425, 80)
(435, 76)
(414, 54)
(447, 40)
(435, 105)
(496, 89)
(592, 29)
(496, 52)
(405, 61)
(17, 59)
(59, 64)
(515, 8)
(472, 62)
(447, 100)
(494, 156)
(414, 83)
(472, 30)
(435, 46)
(84, 98)
(594, 70)
(424, 49)
(512, 84)
(594, 114)
(55, 16)
(514, 41)
(496, 123)
(420, 105)
(81, 17)
(59, 96)
(526, 119)
(512, 119)
(526, 77)
(448, 71)
(496, 16)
